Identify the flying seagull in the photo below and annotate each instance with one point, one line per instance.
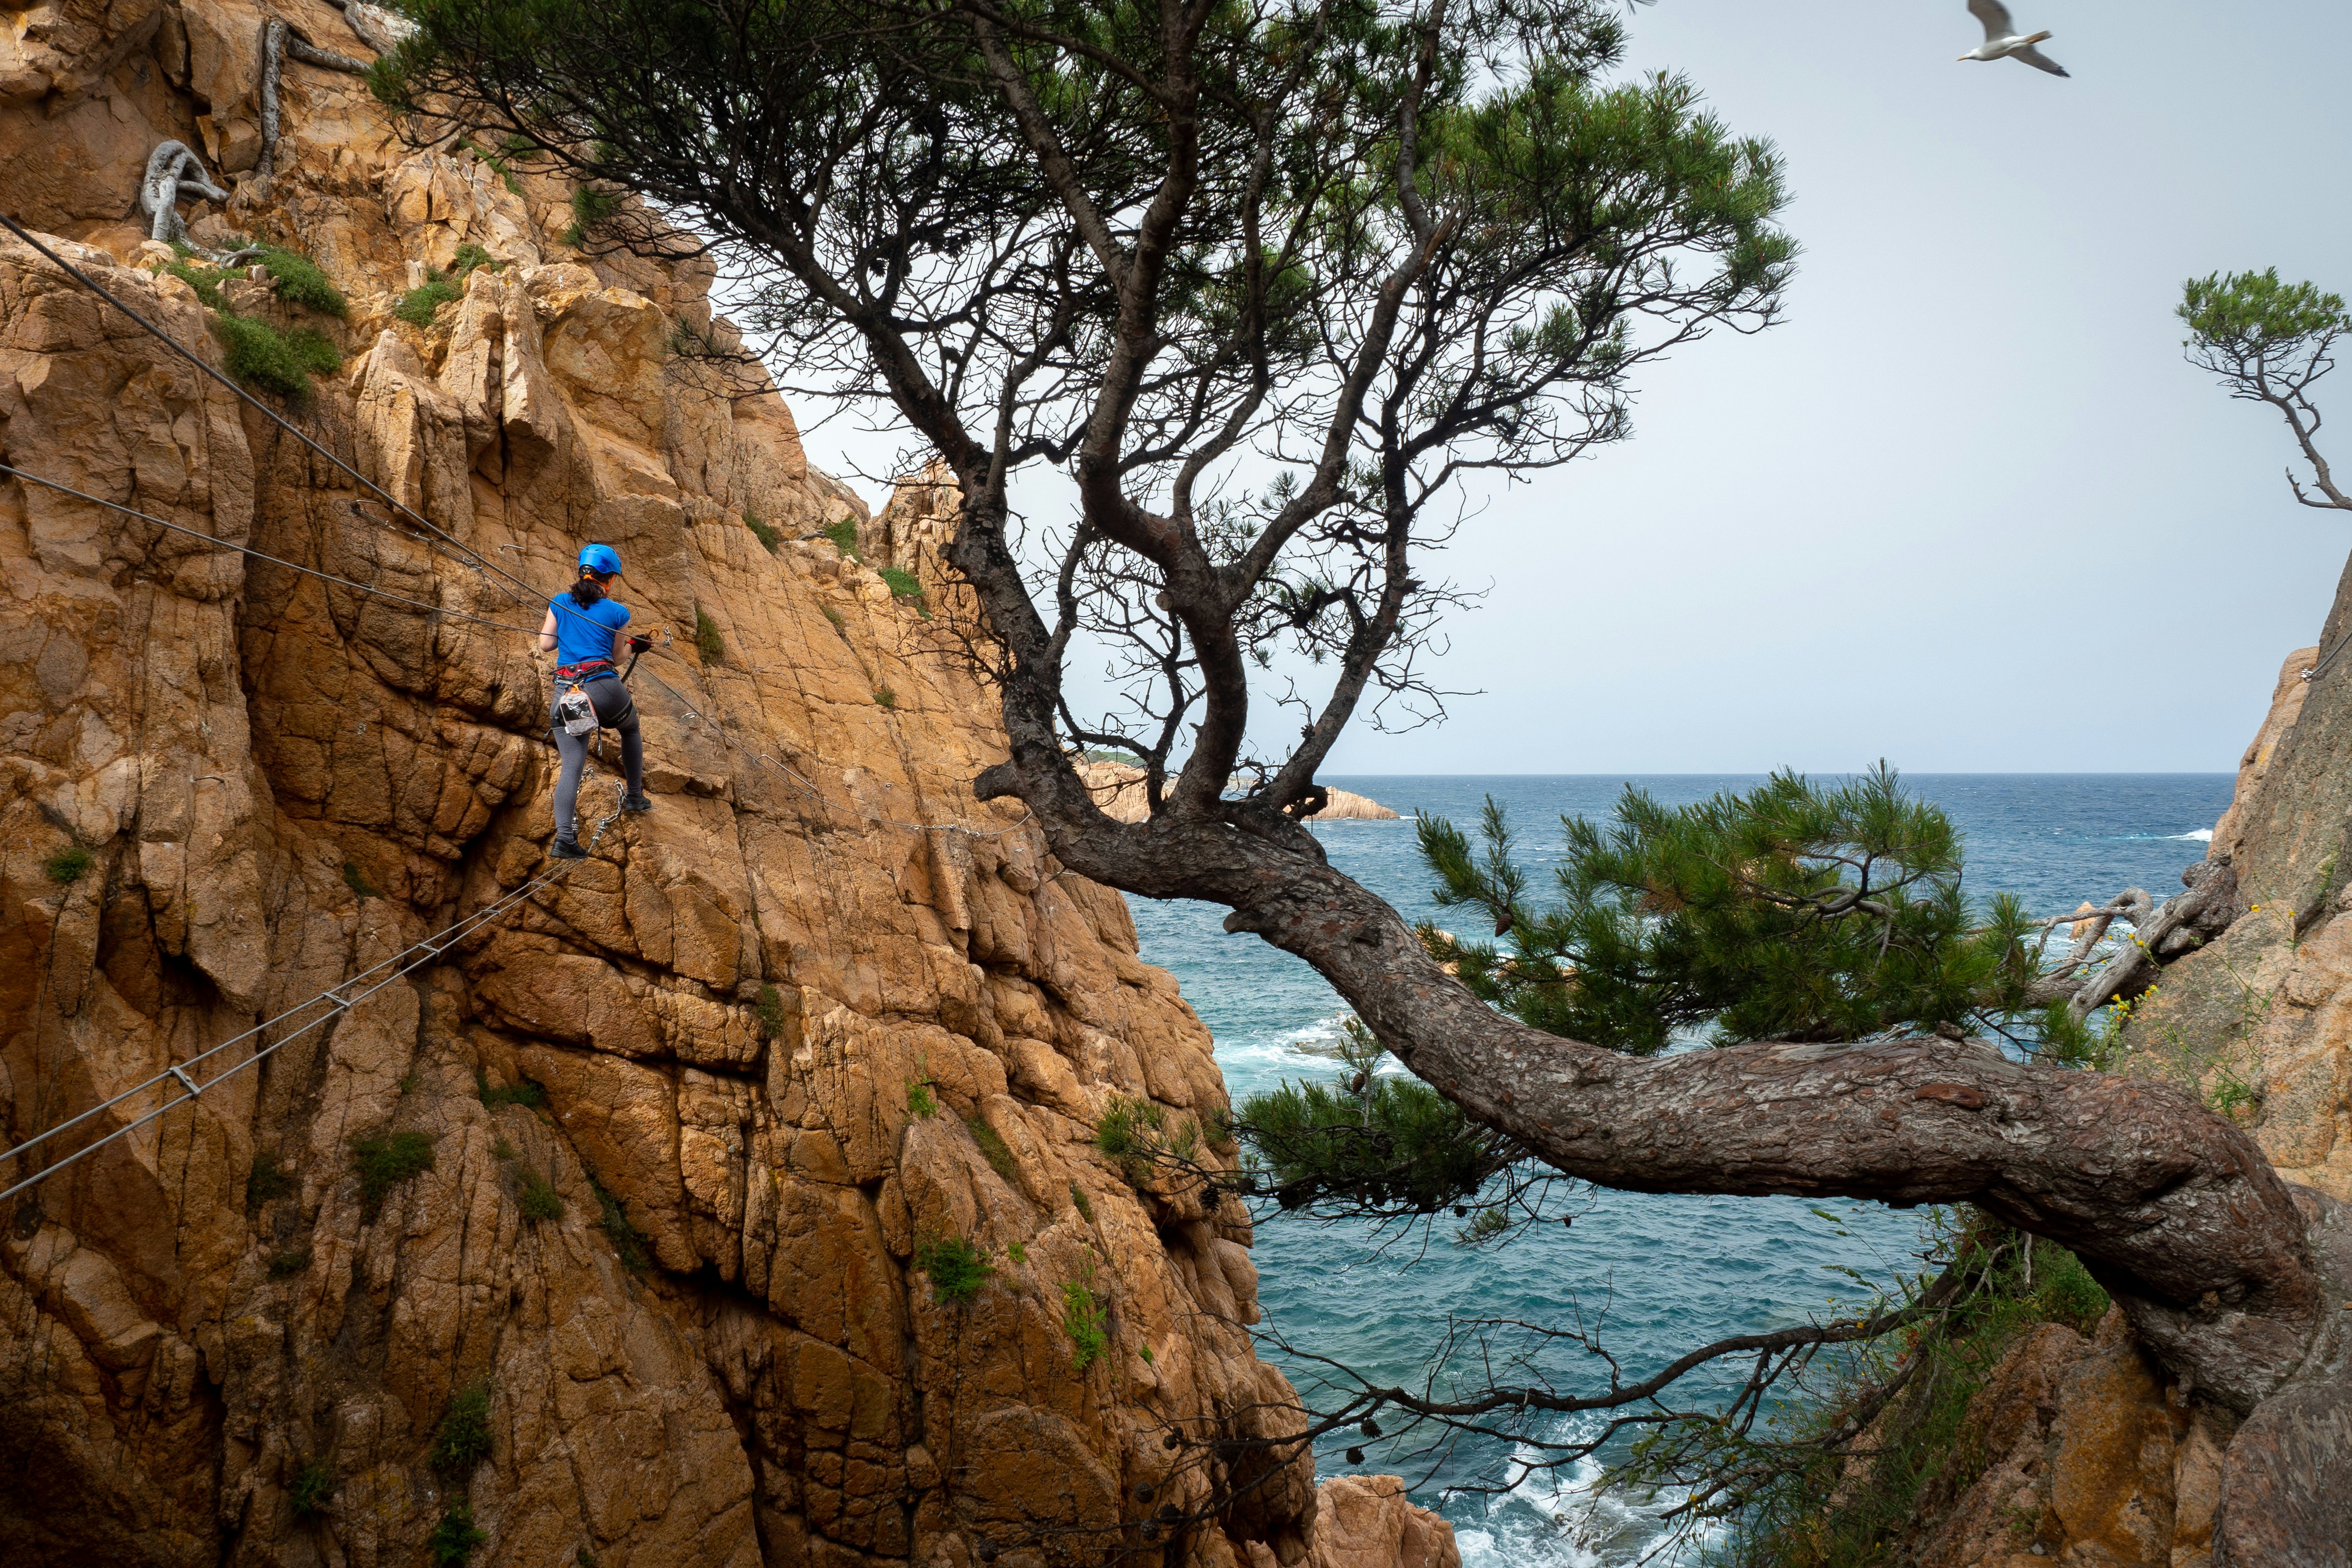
(2002, 42)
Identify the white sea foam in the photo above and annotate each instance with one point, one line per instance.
(1319, 1038)
(1554, 1520)
(2197, 836)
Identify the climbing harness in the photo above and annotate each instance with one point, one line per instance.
(165, 172)
(466, 554)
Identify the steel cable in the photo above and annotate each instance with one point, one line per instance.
(1028, 818)
(2320, 668)
(263, 556)
(432, 947)
(478, 561)
(470, 556)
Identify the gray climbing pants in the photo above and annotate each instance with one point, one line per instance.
(614, 711)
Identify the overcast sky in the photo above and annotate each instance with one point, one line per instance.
(1966, 507)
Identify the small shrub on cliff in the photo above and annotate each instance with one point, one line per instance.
(1082, 1320)
(536, 1197)
(463, 1438)
(1920, 1455)
(920, 1101)
(628, 1241)
(454, 1539)
(843, 535)
(495, 161)
(706, 638)
(301, 281)
(386, 1160)
(285, 1264)
(205, 280)
(267, 1181)
(257, 353)
(2065, 1292)
(905, 585)
(260, 356)
(520, 1093)
(313, 1488)
(887, 698)
(417, 306)
(768, 1009)
(1083, 1203)
(356, 880)
(955, 1267)
(994, 1149)
(767, 536)
(67, 865)
(1015, 1251)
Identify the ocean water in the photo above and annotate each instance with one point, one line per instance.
(1662, 1274)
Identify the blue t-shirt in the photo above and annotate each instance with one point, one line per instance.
(585, 634)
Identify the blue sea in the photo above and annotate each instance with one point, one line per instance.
(1661, 1274)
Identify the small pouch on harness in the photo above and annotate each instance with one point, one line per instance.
(575, 712)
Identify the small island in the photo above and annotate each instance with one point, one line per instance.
(1118, 789)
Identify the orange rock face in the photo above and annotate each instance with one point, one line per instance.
(2089, 1461)
(687, 1132)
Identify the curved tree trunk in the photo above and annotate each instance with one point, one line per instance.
(2173, 1208)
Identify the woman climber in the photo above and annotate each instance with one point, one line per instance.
(582, 629)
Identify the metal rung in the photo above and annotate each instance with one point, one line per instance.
(185, 1082)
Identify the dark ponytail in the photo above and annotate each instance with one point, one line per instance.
(586, 591)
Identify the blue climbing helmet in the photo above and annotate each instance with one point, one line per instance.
(601, 558)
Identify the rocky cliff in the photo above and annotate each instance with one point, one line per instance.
(729, 1198)
(2080, 1451)
(2261, 1020)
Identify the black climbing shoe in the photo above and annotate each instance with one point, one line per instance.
(567, 849)
(635, 802)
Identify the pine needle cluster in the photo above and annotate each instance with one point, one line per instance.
(1794, 911)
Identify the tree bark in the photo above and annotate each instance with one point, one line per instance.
(2173, 1208)
(2180, 925)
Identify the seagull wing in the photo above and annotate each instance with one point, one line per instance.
(1995, 17)
(2038, 61)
